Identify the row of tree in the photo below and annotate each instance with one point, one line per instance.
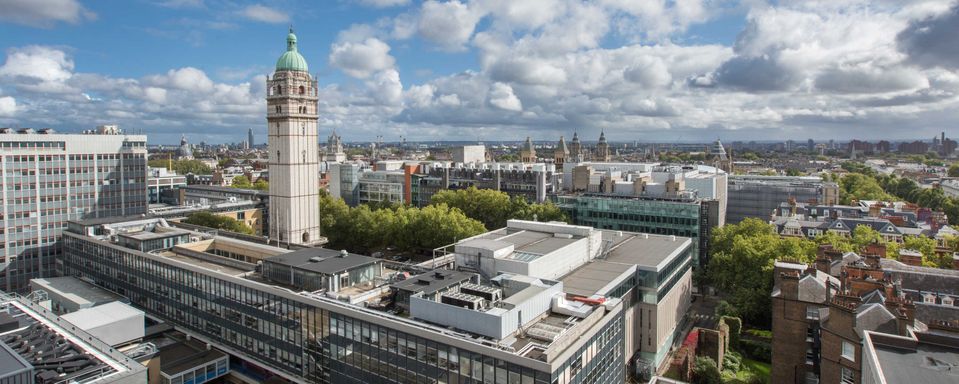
(494, 208)
(451, 216)
(243, 182)
(742, 258)
(212, 220)
(399, 228)
(182, 167)
(865, 184)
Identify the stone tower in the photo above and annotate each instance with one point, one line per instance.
(291, 117)
(602, 148)
(561, 153)
(575, 150)
(334, 149)
(527, 153)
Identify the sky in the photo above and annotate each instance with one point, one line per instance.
(490, 70)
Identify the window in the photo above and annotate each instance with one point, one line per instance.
(849, 351)
(847, 376)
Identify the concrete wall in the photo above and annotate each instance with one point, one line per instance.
(559, 262)
(660, 320)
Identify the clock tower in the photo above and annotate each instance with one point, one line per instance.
(291, 115)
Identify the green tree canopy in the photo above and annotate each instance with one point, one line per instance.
(183, 167)
(705, 371)
(211, 220)
(405, 229)
(953, 170)
(494, 208)
(742, 263)
(857, 186)
(242, 182)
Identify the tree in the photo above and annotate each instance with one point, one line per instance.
(857, 186)
(742, 263)
(494, 208)
(182, 167)
(242, 182)
(705, 371)
(953, 170)
(366, 229)
(211, 220)
(261, 185)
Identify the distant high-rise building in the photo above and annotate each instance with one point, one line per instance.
(50, 178)
(294, 170)
(249, 139)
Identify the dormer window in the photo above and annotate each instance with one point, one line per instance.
(947, 300)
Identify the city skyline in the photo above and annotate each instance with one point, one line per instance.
(481, 69)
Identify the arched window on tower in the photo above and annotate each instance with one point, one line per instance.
(279, 89)
(302, 90)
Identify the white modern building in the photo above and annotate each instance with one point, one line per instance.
(48, 178)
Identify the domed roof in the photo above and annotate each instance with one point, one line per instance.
(184, 151)
(291, 60)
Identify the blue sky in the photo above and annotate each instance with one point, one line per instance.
(489, 69)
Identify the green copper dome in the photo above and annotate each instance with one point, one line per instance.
(291, 60)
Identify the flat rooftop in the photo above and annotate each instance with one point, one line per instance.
(927, 364)
(75, 289)
(11, 362)
(152, 235)
(648, 252)
(433, 281)
(203, 264)
(176, 358)
(322, 260)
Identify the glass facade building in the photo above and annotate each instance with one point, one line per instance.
(47, 179)
(693, 218)
(305, 337)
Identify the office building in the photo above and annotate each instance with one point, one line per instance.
(469, 154)
(647, 198)
(529, 303)
(162, 185)
(294, 151)
(249, 139)
(758, 196)
(49, 179)
(534, 182)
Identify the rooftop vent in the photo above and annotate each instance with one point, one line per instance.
(316, 259)
(344, 253)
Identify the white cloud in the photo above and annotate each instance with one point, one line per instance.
(37, 63)
(361, 59)
(44, 13)
(262, 13)
(383, 3)
(449, 25)
(188, 79)
(501, 96)
(8, 106)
